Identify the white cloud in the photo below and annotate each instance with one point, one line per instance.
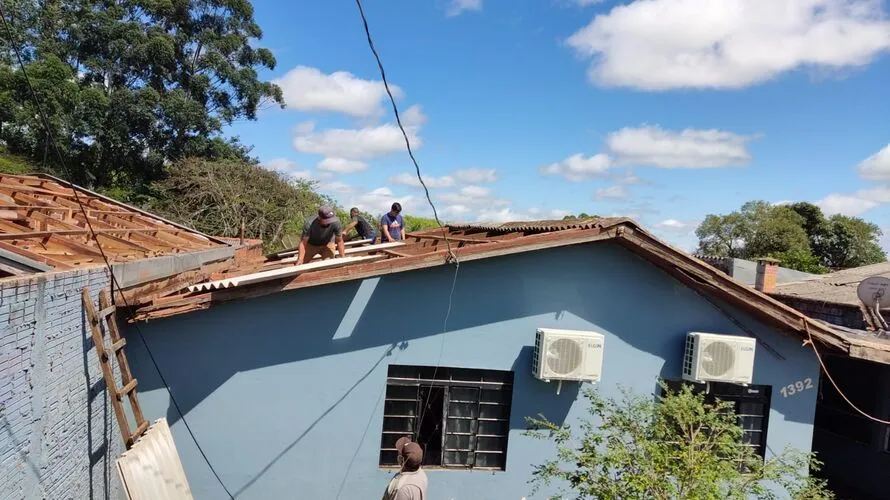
(379, 201)
(289, 168)
(628, 178)
(470, 200)
(577, 167)
(304, 128)
(475, 191)
(342, 165)
(458, 7)
(505, 214)
(356, 144)
(413, 117)
(854, 204)
(335, 187)
(728, 44)
(407, 179)
(611, 193)
(308, 89)
(476, 175)
(688, 148)
(675, 226)
(782, 202)
(876, 166)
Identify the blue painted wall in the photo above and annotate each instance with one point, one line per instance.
(284, 392)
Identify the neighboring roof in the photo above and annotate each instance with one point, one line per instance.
(746, 270)
(43, 228)
(834, 288)
(474, 242)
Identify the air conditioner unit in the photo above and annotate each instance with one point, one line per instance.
(568, 355)
(710, 357)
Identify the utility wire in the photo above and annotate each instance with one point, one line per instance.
(452, 257)
(806, 324)
(114, 284)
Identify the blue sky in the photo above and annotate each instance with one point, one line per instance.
(662, 110)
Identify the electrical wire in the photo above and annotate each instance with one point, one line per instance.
(114, 284)
(452, 257)
(806, 324)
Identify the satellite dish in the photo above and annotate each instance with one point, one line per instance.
(872, 290)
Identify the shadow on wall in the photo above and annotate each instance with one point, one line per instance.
(97, 453)
(629, 298)
(530, 395)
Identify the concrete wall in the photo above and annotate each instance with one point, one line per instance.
(284, 392)
(58, 435)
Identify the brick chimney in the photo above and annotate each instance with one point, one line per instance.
(767, 269)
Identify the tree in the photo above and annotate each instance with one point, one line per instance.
(217, 197)
(675, 447)
(581, 216)
(798, 234)
(131, 86)
(850, 242)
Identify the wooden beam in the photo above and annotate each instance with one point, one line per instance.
(73, 232)
(449, 238)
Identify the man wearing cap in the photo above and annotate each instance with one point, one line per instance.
(410, 482)
(362, 228)
(319, 235)
(392, 226)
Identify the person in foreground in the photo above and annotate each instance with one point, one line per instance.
(362, 228)
(410, 482)
(392, 226)
(319, 235)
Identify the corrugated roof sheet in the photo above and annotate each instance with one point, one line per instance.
(836, 288)
(544, 225)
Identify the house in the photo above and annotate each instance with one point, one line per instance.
(745, 271)
(58, 434)
(302, 380)
(855, 449)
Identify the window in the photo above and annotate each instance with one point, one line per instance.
(461, 417)
(833, 413)
(750, 402)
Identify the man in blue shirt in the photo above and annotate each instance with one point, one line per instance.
(392, 226)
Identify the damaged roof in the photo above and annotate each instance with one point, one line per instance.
(468, 242)
(834, 288)
(42, 228)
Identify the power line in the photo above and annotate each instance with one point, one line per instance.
(806, 324)
(114, 284)
(452, 257)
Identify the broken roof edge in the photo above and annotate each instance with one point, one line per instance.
(682, 266)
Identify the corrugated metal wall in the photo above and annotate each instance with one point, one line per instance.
(151, 469)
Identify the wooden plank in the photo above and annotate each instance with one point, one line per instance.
(123, 364)
(107, 311)
(59, 265)
(110, 384)
(350, 251)
(449, 238)
(127, 389)
(117, 346)
(396, 254)
(72, 232)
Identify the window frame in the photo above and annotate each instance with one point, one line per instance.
(736, 394)
(498, 384)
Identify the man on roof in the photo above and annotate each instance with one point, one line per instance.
(392, 226)
(364, 230)
(320, 234)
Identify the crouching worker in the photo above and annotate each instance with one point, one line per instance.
(319, 236)
(362, 228)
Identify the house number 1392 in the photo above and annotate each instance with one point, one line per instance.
(799, 386)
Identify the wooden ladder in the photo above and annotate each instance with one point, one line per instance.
(106, 315)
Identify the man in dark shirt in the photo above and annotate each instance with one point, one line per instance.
(365, 231)
(392, 226)
(319, 235)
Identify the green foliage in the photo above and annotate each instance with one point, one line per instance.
(801, 260)
(413, 223)
(216, 197)
(675, 447)
(582, 215)
(131, 86)
(10, 164)
(798, 234)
